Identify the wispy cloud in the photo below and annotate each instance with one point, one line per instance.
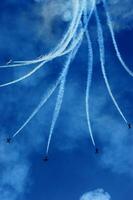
(121, 13)
(14, 173)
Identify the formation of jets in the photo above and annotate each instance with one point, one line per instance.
(45, 158)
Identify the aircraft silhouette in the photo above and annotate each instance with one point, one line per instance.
(45, 159)
(129, 126)
(96, 151)
(82, 18)
(8, 140)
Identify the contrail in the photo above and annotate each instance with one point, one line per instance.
(57, 109)
(89, 80)
(68, 36)
(102, 60)
(60, 95)
(87, 18)
(40, 105)
(114, 40)
(62, 88)
(90, 70)
(46, 97)
(76, 41)
(68, 50)
(78, 9)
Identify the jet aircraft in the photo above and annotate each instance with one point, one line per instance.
(45, 159)
(8, 140)
(96, 151)
(129, 126)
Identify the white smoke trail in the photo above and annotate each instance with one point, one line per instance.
(62, 87)
(68, 50)
(46, 97)
(41, 104)
(89, 80)
(76, 41)
(59, 50)
(64, 42)
(23, 77)
(61, 94)
(70, 29)
(102, 60)
(93, 4)
(69, 37)
(57, 109)
(90, 68)
(114, 40)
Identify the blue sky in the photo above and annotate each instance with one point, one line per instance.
(30, 29)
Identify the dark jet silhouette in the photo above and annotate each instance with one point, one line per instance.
(45, 159)
(82, 19)
(96, 151)
(8, 140)
(129, 126)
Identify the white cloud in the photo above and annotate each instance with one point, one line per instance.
(97, 194)
(14, 173)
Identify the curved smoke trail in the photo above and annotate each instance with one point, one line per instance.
(69, 37)
(89, 80)
(42, 64)
(102, 60)
(114, 40)
(61, 94)
(44, 98)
